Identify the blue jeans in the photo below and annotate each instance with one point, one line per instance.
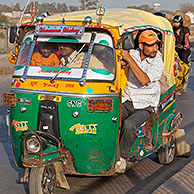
(131, 119)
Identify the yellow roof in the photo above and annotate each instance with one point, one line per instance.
(127, 18)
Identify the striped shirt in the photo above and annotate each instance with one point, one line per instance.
(149, 94)
(80, 59)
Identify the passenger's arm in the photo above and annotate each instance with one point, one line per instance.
(186, 46)
(141, 76)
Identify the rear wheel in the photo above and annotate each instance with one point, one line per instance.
(166, 154)
(42, 180)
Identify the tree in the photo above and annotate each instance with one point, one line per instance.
(5, 8)
(3, 20)
(88, 4)
(50, 7)
(73, 8)
(144, 7)
(184, 7)
(62, 7)
(16, 7)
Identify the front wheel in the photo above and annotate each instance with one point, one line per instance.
(166, 154)
(43, 180)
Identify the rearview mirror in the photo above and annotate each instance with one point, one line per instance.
(13, 34)
(127, 41)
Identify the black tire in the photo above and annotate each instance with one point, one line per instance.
(13, 34)
(166, 154)
(42, 180)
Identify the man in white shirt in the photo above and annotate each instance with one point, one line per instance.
(190, 14)
(141, 93)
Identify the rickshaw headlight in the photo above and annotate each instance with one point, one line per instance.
(33, 145)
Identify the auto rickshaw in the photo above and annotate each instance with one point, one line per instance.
(66, 119)
(182, 72)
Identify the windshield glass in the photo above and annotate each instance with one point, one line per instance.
(71, 55)
(23, 53)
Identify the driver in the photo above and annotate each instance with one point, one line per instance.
(68, 51)
(182, 38)
(142, 91)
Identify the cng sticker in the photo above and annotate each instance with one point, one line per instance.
(84, 129)
(53, 98)
(74, 103)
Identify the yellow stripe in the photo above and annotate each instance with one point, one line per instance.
(169, 105)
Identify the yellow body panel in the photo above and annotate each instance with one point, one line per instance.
(120, 20)
(169, 50)
(65, 86)
(116, 21)
(127, 18)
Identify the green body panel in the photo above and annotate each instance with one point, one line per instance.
(165, 118)
(92, 136)
(92, 152)
(30, 116)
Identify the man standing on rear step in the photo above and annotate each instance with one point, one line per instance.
(142, 91)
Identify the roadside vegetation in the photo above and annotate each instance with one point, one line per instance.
(53, 7)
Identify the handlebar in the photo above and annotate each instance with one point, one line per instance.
(179, 46)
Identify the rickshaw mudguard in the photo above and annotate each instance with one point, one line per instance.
(92, 152)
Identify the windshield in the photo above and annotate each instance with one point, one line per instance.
(71, 55)
(23, 53)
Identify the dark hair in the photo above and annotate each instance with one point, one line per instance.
(159, 13)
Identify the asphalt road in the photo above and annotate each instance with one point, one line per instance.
(144, 177)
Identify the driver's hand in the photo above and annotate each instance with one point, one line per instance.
(123, 63)
(186, 47)
(124, 54)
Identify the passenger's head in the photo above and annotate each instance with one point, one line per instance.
(66, 48)
(177, 22)
(149, 43)
(45, 49)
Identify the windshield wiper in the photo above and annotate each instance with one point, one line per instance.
(66, 65)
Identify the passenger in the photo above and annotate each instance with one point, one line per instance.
(106, 57)
(44, 56)
(68, 51)
(142, 91)
(182, 38)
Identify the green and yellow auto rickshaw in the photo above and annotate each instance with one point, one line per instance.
(65, 119)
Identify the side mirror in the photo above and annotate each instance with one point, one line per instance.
(13, 34)
(127, 41)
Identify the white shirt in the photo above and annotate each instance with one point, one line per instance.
(149, 94)
(190, 14)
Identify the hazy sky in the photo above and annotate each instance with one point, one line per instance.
(165, 4)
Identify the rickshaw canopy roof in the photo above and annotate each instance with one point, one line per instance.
(128, 19)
